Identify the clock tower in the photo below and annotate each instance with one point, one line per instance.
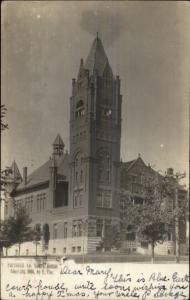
(95, 132)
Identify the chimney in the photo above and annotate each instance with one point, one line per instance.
(25, 175)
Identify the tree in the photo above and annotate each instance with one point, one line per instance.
(16, 229)
(37, 236)
(3, 114)
(111, 237)
(152, 219)
(46, 236)
(180, 211)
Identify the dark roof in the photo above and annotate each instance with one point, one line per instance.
(97, 58)
(15, 171)
(58, 140)
(127, 164)
(41, 175)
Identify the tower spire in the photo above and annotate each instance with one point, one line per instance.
(97, 59)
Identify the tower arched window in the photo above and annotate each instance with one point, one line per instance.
(80, 111)
(104, 167)
(78, 180)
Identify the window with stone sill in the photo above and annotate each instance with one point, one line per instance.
(103, 199)
(104, 167)
(79, 229)
(74, 230)
(80, 111)
(65, 228)
(54, 231)
(99, 227)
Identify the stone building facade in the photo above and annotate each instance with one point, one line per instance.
(75, 197)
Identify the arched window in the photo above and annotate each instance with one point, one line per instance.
(78, 180)
(104, 167)
(37, 232)
(80, 103)
(80, 111)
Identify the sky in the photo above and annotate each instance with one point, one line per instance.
(147, 44)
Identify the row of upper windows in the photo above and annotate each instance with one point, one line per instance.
(104, 199)
(28, 202)
(73, 249)
(55, 230)
(77, 229)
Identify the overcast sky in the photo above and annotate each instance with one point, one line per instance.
(147, 46)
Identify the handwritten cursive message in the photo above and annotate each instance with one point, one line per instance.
(67, 280)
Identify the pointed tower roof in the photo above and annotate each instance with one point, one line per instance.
(97, 58)
(15, 171)
(58, 140)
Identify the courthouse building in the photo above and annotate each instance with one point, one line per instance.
(75, 197)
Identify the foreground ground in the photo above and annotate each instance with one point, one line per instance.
(116, 257)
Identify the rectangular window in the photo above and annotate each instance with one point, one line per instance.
(65, 230)
(100, 175)
(54, 231)
(81, 176)
(104, 199)
(73, 249)
(107, 226)
(54, 250)
(75, 200)
(80, 200)
(31, 204)
(108, 177)
(76, 177)
(107, 199)
(74, 230)
(99, 227)
(79, 229)
(78, 249)
(38, 203)
(99, 199)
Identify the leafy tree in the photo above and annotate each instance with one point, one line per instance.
(111, 238)
(46, 235)
(3, 114)
(16, 229)
(37, 236)
(4, 240)
(152, 219)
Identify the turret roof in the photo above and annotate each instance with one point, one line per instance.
(15, 171)
(58, 140)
